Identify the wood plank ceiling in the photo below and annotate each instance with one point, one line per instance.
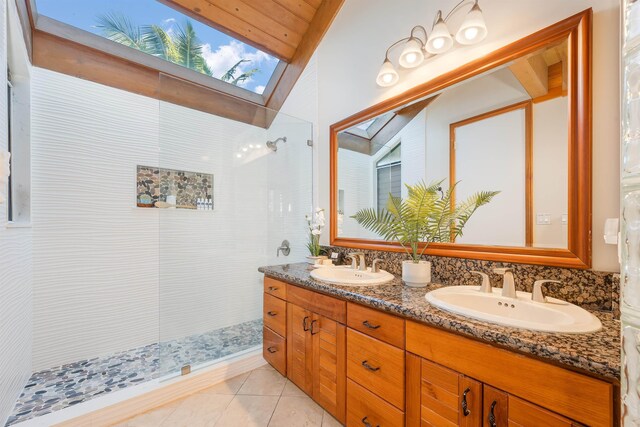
(273, 26)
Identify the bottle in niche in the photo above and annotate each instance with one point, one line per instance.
(199, 204)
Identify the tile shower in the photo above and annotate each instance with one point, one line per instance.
(125, 294)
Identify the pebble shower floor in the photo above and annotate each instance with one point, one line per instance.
(67, 385)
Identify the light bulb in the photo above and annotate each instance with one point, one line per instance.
(258, 146)
(387, 76)
(439, 40)
(244, 149)
(471, 33)
(473, 29)
(250, 145)
(438, 43)
(239, 155)
(411, 55)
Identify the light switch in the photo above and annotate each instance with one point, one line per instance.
(565, 219)
(543, 219)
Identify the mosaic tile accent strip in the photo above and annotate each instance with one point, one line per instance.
(187, 187)
(597, 352)
(67, 385)
(592, 290)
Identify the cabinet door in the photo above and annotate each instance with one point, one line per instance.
(300, 348)
(329, 372)
(449, 398)
(525, 414)
(495, 407)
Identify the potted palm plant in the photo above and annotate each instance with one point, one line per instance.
(426, 215)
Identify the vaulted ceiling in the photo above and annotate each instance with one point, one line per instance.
(287, 29)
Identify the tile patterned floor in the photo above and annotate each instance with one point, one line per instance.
(67, 385)
(260, 398)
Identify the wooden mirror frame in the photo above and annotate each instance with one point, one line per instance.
(577, 29)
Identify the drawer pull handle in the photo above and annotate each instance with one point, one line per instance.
(367, 423)
(465, 409)
(272, 313)
(369, 367)
(305, 325)
(492, 416)
(313, 322)
(272, 350)
(369, 325)
(273, 288)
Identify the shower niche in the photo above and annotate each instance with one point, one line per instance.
(171, 188)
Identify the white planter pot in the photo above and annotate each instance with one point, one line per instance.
(416, 275)
(316, 260)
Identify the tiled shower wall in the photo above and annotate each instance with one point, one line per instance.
(594, 290)
(110, 277)
(15, 262)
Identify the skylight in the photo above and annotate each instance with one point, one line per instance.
(159, 30)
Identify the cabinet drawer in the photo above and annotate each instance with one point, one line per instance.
(377, 366)
(377, 324)
(275, 287)
(323, 305)
(274, 350)
(275, 314)
(365, 407)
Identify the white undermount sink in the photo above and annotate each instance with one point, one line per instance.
(554, 315)
(350, 277)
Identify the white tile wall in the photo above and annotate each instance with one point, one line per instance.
(109, 276)
(15, 276)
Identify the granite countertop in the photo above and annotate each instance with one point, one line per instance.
(597, 353)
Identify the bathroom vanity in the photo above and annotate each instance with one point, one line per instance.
(383, 356)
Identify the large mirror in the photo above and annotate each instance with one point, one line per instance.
(516, 121)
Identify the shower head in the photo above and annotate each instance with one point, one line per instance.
(273, 145)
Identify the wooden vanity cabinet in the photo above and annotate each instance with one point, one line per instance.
(517, 390)
(317, 348)
(370, 368)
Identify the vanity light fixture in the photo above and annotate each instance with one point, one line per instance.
(418, 47)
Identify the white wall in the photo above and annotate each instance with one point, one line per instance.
(110, 277)
(346, 89)
(15, 254)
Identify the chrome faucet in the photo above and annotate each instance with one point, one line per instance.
(361, 265)
(537, 295)
(508, 284)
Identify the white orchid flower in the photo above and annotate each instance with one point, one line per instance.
(316, 232)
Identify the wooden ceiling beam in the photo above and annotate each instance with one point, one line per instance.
(533, 75)
(84, 62)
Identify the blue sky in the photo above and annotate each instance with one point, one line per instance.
(223, 51)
